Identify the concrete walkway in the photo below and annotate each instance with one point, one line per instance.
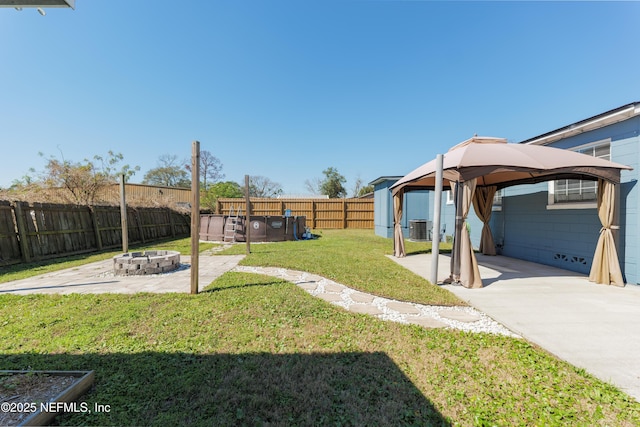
(595, 327)
(429, 316)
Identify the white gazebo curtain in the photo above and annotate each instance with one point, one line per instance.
(463, 260)
(605, 268)
(398, 238)
(483, 206)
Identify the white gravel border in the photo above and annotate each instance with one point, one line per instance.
(439, 313)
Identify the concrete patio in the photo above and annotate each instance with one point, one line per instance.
(591, 326)
(98, 277)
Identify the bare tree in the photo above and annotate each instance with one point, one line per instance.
(210, 169)
(359, 189)
(356, 187)
(261, 186)
(84, 180)
(313, 185)
(169, 173)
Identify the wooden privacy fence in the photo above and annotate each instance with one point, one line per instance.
(142, 192)
(137, 194)
(37, 231)
(320, 213)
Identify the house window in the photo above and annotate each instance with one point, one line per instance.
(449, 197)
(497, 200)
(576, 192)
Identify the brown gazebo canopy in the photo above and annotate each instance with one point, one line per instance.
(479, 166)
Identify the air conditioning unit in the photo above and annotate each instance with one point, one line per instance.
(419, 230)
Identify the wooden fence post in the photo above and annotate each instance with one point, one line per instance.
(96, 230)
(313, 214)
(344, 213)
(139, 223)
(171, 222)
(22, 231)
(123, 216)
(195, 216)
(247, 223)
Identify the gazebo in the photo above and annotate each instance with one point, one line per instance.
(476, 168)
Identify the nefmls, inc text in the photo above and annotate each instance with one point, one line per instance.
(73, 407)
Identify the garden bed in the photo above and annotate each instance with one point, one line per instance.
(36, 397)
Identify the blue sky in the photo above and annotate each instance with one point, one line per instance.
(285, 89)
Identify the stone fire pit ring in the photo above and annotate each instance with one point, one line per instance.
(147, 262)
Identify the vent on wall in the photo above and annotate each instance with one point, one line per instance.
(572, 259)
(561, 257)
(578, 260)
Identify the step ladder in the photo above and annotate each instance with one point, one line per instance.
(231, 225)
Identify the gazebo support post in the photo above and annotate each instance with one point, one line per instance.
(437, 211)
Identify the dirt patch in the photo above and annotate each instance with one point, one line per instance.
(21, 394)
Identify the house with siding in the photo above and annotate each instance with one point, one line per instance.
(553, 223)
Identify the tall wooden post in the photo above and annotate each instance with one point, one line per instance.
(247, 223)
(123, 217)
(195, 215)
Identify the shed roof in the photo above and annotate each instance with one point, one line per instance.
(384, 178)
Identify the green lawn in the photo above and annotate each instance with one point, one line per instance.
(254, 350)
(355, 258)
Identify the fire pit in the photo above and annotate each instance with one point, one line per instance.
(147, 262)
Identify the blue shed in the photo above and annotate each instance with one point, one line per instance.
(417, 205)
